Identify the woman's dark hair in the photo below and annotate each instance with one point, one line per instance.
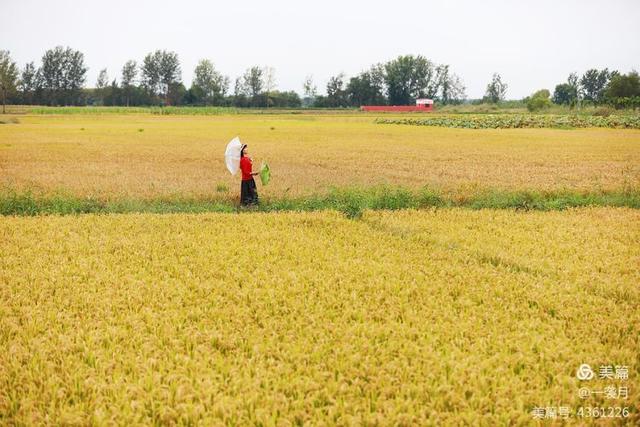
(242, 150)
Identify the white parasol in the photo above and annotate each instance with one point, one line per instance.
(232, 155)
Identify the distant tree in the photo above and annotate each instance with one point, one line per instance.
(252, 82)
(457, 91)
(409, 77)
(76, 75)
(176, 93)
(564, 94)
(593, 83)
(624, 90)
(269, 80)
(359, 90)
(150, 73)
(539, 100)
(112, 94)
(309, 91)
(377, 77)
(309, 88)
(224, 86)
(367, 88)
(53, 63)
(63, 75)
(138, 95)
(573, 81)
(336, 94)
(240, 93)
(443, 82)
(129, 73)
(438, 75)
(285, 99)
(103, 79)
(101, 85)
(30, 83)
(239, 87)
(171, 75)
(8, 77)
(567, 93)
(209, 86)
(161, 74)
(496, 89)
(249, 89)
(450, 86)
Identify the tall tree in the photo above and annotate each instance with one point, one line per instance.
(624, 86)
(240, 92)
(30, 83)
(101, 85)
(567, 93)
(367, 88)
(75, 75)
(161, 73)
(572, 80)
(309, 88)
(456, 90)
(336, 95)
(593, 83)
(176, 94)
(496, 89)
(409, 77)
(129, 73)
(209, 85)
(309, 91)
(103, 79)
(171, 75)
(564, 94)
(451, 90)
(252, 82)
(8, 77)
(63, 75)
(150, 73)
(269, 74)
(114, 94)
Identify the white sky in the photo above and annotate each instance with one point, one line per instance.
(533, 44)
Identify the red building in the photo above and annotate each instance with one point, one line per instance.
(423, 105)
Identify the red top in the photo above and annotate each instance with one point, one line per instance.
(245, 167)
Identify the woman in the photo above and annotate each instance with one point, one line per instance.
(248, 190)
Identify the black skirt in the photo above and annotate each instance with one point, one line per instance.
(248, 192)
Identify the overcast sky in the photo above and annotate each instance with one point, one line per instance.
(532, 44)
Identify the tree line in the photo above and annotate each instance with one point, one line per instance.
(397, 82)
(594, 87)
(60, 79)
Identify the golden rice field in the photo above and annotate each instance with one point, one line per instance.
(433, 317)
(413, 317)
(148, 156)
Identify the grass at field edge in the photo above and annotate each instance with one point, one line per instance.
(350, 201)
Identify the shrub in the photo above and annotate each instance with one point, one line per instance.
(539, 100)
